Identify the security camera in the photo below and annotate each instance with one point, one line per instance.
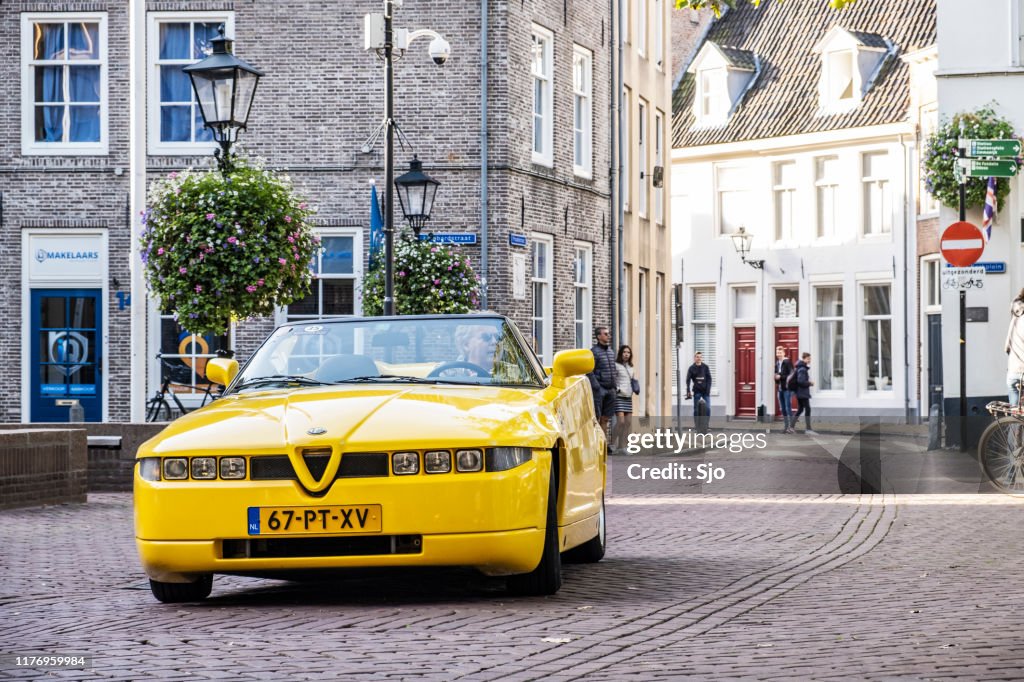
(440, 50)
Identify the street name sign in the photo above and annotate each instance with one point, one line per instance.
(989, 168)
(1007, 148)
(450, 237)
(962, 244)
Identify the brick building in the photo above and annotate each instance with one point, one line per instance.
(65, 168)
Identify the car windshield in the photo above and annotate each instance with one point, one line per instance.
(477, 351)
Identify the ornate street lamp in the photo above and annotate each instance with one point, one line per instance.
(225, 86)
(416, 192)
(741, 241)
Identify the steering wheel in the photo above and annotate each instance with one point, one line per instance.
(459, 364)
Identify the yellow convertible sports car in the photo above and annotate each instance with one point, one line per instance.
(387, 441)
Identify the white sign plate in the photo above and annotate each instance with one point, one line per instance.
(963, 278)
(519, 276)
(66, 257)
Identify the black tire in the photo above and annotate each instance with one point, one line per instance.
(177, 593)
(591, 551)
(155, 409)
(547, 577)
(1001, 454)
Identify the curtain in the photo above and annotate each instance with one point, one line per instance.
(50, 82)
(175, 87)
(830, 337)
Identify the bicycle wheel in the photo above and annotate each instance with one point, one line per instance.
(1001, 454)
(158, 410)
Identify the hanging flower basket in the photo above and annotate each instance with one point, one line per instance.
(218, 249)
(940, 154)
(429, 279)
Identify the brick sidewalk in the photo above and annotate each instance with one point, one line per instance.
(693, 586)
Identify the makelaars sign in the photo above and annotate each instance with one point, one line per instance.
(59, 257)
(962, 244)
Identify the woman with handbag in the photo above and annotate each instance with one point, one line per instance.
(625, 387)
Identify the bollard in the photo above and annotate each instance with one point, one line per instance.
(934, 427)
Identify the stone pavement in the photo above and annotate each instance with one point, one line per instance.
(693, 587)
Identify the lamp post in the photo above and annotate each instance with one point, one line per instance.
(381, 36)
(416, 192)
(741, 242)
(225, 87)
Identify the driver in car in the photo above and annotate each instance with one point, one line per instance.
(477, 344)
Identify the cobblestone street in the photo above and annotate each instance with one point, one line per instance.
(700, 586)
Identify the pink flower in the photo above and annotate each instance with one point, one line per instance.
(291, 239)
(401, 273)
(210, 216)
(296, 256)
(259, 282)
(436, 282)
(282, 261)
(232, 240)
(287, 218)
(199, 288)
(172, 174)
(160, 251)
(303, 205)
(250, 288)
(182, 270)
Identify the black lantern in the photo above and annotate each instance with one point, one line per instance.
(741, 242)
(225, 86)
(416, 192)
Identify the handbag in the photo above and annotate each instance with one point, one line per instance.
(636, 385)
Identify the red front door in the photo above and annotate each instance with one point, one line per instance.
(746, 372)
(788, 338)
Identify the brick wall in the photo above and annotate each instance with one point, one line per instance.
(40, 466)
(688, 26)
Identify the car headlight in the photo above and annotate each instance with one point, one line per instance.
(469, 460)
(405, 463)
(232, 468)
(503, 459)
(437, 462)
(204, 468)
(175, 468)
(149, 468)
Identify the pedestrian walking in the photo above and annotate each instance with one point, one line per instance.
(602, 378)
(801, 383)
(1015, 350)
(623, 394)
(699, 375)
(783, 370)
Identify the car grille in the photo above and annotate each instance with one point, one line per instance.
(275, 548)
(353, 465)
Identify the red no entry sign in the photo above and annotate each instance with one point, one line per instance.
(962, 244)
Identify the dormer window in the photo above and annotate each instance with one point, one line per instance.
(850, 63)
(723, 75)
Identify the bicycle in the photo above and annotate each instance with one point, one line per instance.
(1001, 448)
(157, 407)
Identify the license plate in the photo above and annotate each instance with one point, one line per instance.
(364, 518)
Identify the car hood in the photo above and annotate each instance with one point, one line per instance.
(375, 418)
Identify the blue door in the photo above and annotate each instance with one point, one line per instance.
(66, 353)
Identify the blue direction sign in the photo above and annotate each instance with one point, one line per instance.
(517, 239)
(991, 267)
(451, 237)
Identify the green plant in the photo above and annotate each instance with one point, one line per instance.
(220, 248)
(428, 278)
(940, 155)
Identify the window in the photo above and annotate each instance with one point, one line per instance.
(64, 83)
(932, 284)
(787, 300)
(838, 86)
(627, 149)
(713, 103)
(641, 152)
(183, 358)
(878, 337)
(543, 116)
(175, 41)
(335, 273)
(641, 27)
(784, 189)
(659, 162)
(733, 198)
(826, 185)
(540, 249)
(877, 202)
(658, 49)
(705, 340)
(582, 110)
(745, 304)
(828, 332)
(583, 283)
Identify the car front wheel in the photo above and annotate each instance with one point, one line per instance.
(547, 577)
(177, 593)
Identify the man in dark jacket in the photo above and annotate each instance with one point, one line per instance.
(602, 379)
(699, 375)
(801, 383)
(783, 368)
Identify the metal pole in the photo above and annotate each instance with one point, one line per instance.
(483, 156)
(963, 324)
(389, 166)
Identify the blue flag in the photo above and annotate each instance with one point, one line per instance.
(376, 228)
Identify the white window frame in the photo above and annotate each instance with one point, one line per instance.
(29, 145)
(542, 114)
(583, 286)
(712, 98)
(784, 205)
(658, 49)
(659, 160)
(707, 343)
(318, 276)
(742, 190)
(817, 360)
(583, 111)
(543, 282)
(870, 185)
(830, 101)
(641, 27)
(866, 319)
(641, 152)
(931, 284)
(825, 184)
(155, 146)
(627, 148)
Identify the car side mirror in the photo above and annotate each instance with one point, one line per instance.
(570, 363)
(221, 370)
